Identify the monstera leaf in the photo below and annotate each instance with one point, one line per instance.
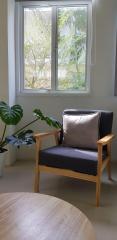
(23, 138)
(10, 115)
(49, 120)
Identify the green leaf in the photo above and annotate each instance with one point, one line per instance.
(25, 138)
(10, 115)
(49, 120)
(25, 132)
(38, 113)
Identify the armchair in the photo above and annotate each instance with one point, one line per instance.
(82, 150)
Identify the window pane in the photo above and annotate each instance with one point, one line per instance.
(37, 48)
(72, 33)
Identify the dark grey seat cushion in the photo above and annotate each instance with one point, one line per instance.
(79, 160)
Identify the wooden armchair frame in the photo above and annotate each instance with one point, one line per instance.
(105, 141)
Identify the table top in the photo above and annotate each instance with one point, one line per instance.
(37, 216)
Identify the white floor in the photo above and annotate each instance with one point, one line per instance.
(19, 178)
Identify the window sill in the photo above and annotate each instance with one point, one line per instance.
(53, 93)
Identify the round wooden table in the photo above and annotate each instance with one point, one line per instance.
(32, 216)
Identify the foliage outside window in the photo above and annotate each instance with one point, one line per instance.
(55, 47)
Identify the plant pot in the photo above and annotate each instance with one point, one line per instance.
(2, 163)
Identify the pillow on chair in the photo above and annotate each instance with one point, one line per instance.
(81, 131)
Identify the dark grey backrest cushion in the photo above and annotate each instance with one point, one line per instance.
(106, 119)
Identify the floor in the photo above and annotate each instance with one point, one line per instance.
(19, 178)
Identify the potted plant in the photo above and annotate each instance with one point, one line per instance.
(9, 116)
(23, 136)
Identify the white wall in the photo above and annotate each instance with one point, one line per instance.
(3, 52)
(102, 76)
(7, 62)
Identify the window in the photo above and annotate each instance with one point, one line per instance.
(53, 46)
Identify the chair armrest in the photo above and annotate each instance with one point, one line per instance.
(105, 140)
(39, 136)
(42, 135)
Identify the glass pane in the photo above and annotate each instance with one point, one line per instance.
(72, 33)
(37, 48)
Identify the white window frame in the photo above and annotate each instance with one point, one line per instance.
(19, 30)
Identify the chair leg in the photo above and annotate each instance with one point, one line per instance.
(109, 161)
(98, 186)
(109, 170)
(36, 183)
